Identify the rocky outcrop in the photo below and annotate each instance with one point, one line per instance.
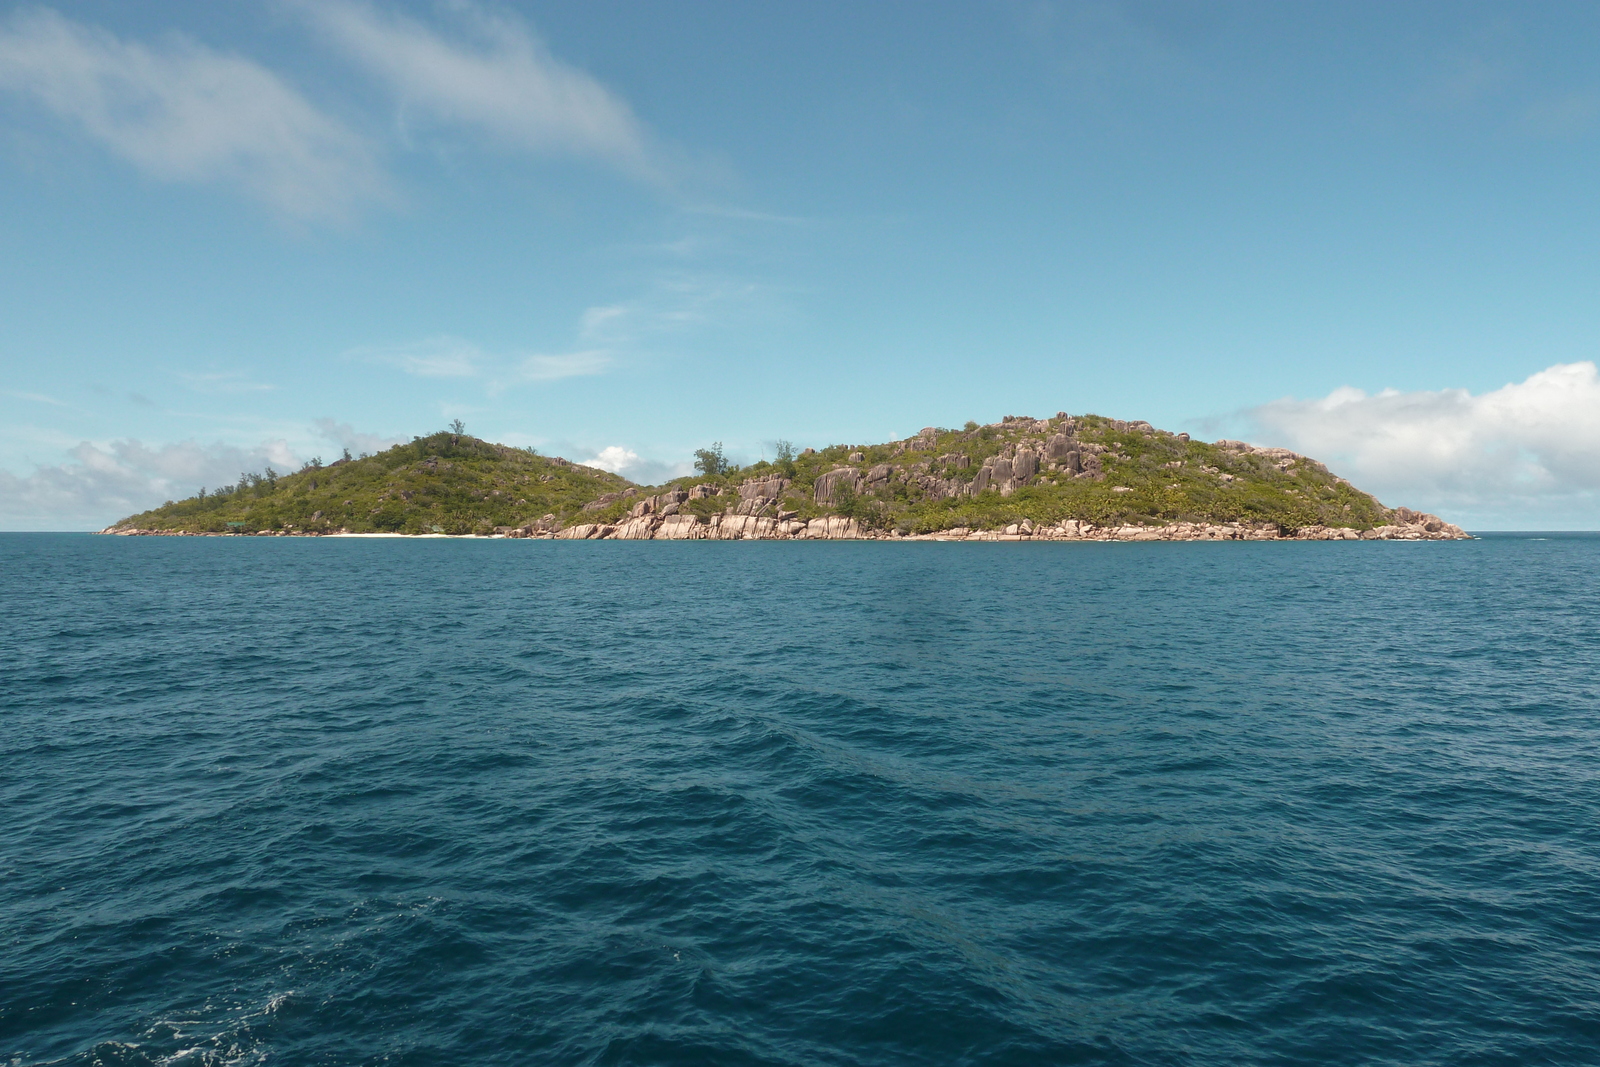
(744, 527)
(582, 532)
(827, 486)
(636, 528)
(679, 528)
(765, 488)
(831, 528)
(1411, 525)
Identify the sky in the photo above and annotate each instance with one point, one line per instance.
(235, 234)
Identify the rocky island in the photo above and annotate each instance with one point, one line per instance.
(1066, 478)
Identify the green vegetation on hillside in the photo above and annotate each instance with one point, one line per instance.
(1166, 479)
(449, 483)
(1133, 473)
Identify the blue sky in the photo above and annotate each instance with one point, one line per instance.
(256, 232)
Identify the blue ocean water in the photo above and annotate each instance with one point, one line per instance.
(507, 802)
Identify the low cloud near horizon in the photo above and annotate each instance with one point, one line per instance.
(102, 483)
(1524, 456)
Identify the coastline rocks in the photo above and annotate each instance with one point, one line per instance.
(680, 528)
(832, 528)
(638, 528)
(581, 532)
(743, 528)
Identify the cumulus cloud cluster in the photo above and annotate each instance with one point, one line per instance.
(624, 461)
(183, 112)
(1521, 455)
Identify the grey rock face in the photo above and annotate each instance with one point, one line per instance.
(636, 529)
(579, 533)
(679, 528)
(832, 528)
(771, 487)
(879, 475)
(1025, 465)
(980, 481)
(827, 487)
(601, 501)
(755, 505)
(743, 527)
(1002, 470)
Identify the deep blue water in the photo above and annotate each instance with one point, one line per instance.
(512, 802)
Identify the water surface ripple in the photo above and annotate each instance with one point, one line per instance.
(510, 802)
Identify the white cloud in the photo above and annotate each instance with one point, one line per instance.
(182, 112)
(38, 398)
(224, 382)
(675, 302)
(347, 437)
(614, 458)
(567, 365)
(501, 80)
(444, 356)
(624, 461)
(1526, 453)
(441, 356)
(106, 482)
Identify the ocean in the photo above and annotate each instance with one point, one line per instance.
(349, 801)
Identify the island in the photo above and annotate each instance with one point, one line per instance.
(1064, 478)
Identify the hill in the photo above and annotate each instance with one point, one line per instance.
(444, 483)
(1064, 477)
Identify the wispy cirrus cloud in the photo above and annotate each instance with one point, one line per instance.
(225, 382)
(182, 112)
(1528, 452)
(550, 368)
(444, 356)
(495, 76)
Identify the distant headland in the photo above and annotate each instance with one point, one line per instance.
(1066, 478)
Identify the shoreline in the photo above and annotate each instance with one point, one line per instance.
(833, 528)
